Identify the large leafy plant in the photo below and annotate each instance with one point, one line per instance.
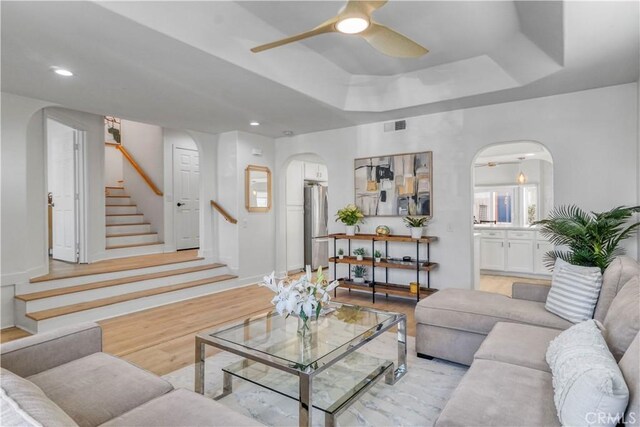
(350, 215)
(592, 238)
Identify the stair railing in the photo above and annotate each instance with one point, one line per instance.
(224, 213)
(138, 169)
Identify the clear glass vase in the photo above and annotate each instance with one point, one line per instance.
(304, 327)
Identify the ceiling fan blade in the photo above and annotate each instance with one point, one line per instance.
(363, 6)
(392, 43)
(326, 27)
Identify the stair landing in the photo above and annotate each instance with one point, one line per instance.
(63, 270)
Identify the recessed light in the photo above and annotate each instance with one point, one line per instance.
(352, 25)
(255, 123)
(287, 132)
(61, 71)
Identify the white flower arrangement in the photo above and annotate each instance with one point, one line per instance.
(302, 296)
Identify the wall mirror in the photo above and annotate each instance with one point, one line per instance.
(257, 188)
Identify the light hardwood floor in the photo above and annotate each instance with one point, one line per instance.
(161, 339)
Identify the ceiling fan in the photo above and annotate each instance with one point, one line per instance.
(355, 19)
(494, 164)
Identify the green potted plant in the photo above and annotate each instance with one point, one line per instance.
(416, 224)
(377, 255)
(359, 271)
(340, 253)
(592, 238)
(350, 216)
(359, 253)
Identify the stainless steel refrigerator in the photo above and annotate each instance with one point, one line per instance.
(316, 214)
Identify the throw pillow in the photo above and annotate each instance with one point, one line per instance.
(22, 399)
(574, 291)
(589, 388)
(622, 322)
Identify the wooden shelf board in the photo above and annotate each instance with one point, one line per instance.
(386, 288)
(389, 238)
(368, 261)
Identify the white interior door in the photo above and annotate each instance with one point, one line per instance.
(63, 185)
(186, 185)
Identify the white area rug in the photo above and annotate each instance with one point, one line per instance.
(416, 400)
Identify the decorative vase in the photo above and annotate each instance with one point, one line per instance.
(351, 230)
(340, 256)
(383, 230)
(304, 327)
(416, 232)
(359, 257)
(378, 259)
(358, 280)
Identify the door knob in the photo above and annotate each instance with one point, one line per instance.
(181, 204)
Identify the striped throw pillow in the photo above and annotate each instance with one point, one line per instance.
(574, 291)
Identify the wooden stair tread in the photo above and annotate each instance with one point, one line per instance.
(115, 188)
(131, 234)
(134, 245)
(114, 282)
(83, 306)
(119, 197)
(120, 264)
(128, 224)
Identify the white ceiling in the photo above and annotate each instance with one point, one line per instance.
(452, 31)
(187, 64)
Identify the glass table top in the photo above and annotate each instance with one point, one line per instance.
(332, 335)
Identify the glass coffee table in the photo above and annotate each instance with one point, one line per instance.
(321, 369)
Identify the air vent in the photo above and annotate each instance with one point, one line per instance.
(395, 126)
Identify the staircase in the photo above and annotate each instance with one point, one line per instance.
(43, 305)
(127, 232)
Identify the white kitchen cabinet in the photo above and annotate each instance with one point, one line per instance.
(315, 171)
(295, 238)
(492, 254)
(542, 247)
(520, 255)
(295, 183)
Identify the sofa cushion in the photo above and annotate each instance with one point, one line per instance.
(522, 345)
(477, 311)
(182, 408)
(619, 272)
(622, 321)
(501, 394)
(25, 404)
(630, 367)
(588, 385)
(99, 387)
(574, 291)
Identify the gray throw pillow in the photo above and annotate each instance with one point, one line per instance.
(574, 291)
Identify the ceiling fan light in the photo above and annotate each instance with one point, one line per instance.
(353, 25)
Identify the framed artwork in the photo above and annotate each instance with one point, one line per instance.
(396, 185)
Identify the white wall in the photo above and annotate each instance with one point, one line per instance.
(113, 166)
(591, 135)
(146, 145)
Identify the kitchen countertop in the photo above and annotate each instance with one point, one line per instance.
(504, 227)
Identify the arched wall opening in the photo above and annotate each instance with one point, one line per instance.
(511, 188)
(304, 188)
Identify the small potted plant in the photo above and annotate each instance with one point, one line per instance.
(350, 216)
(340, 253)
(377, 255)
(416, 224)
(359, 253)
(359, 271)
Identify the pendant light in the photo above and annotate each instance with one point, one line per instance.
(521, 178)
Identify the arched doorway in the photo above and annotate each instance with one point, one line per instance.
(306, 212)
(512, 188)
